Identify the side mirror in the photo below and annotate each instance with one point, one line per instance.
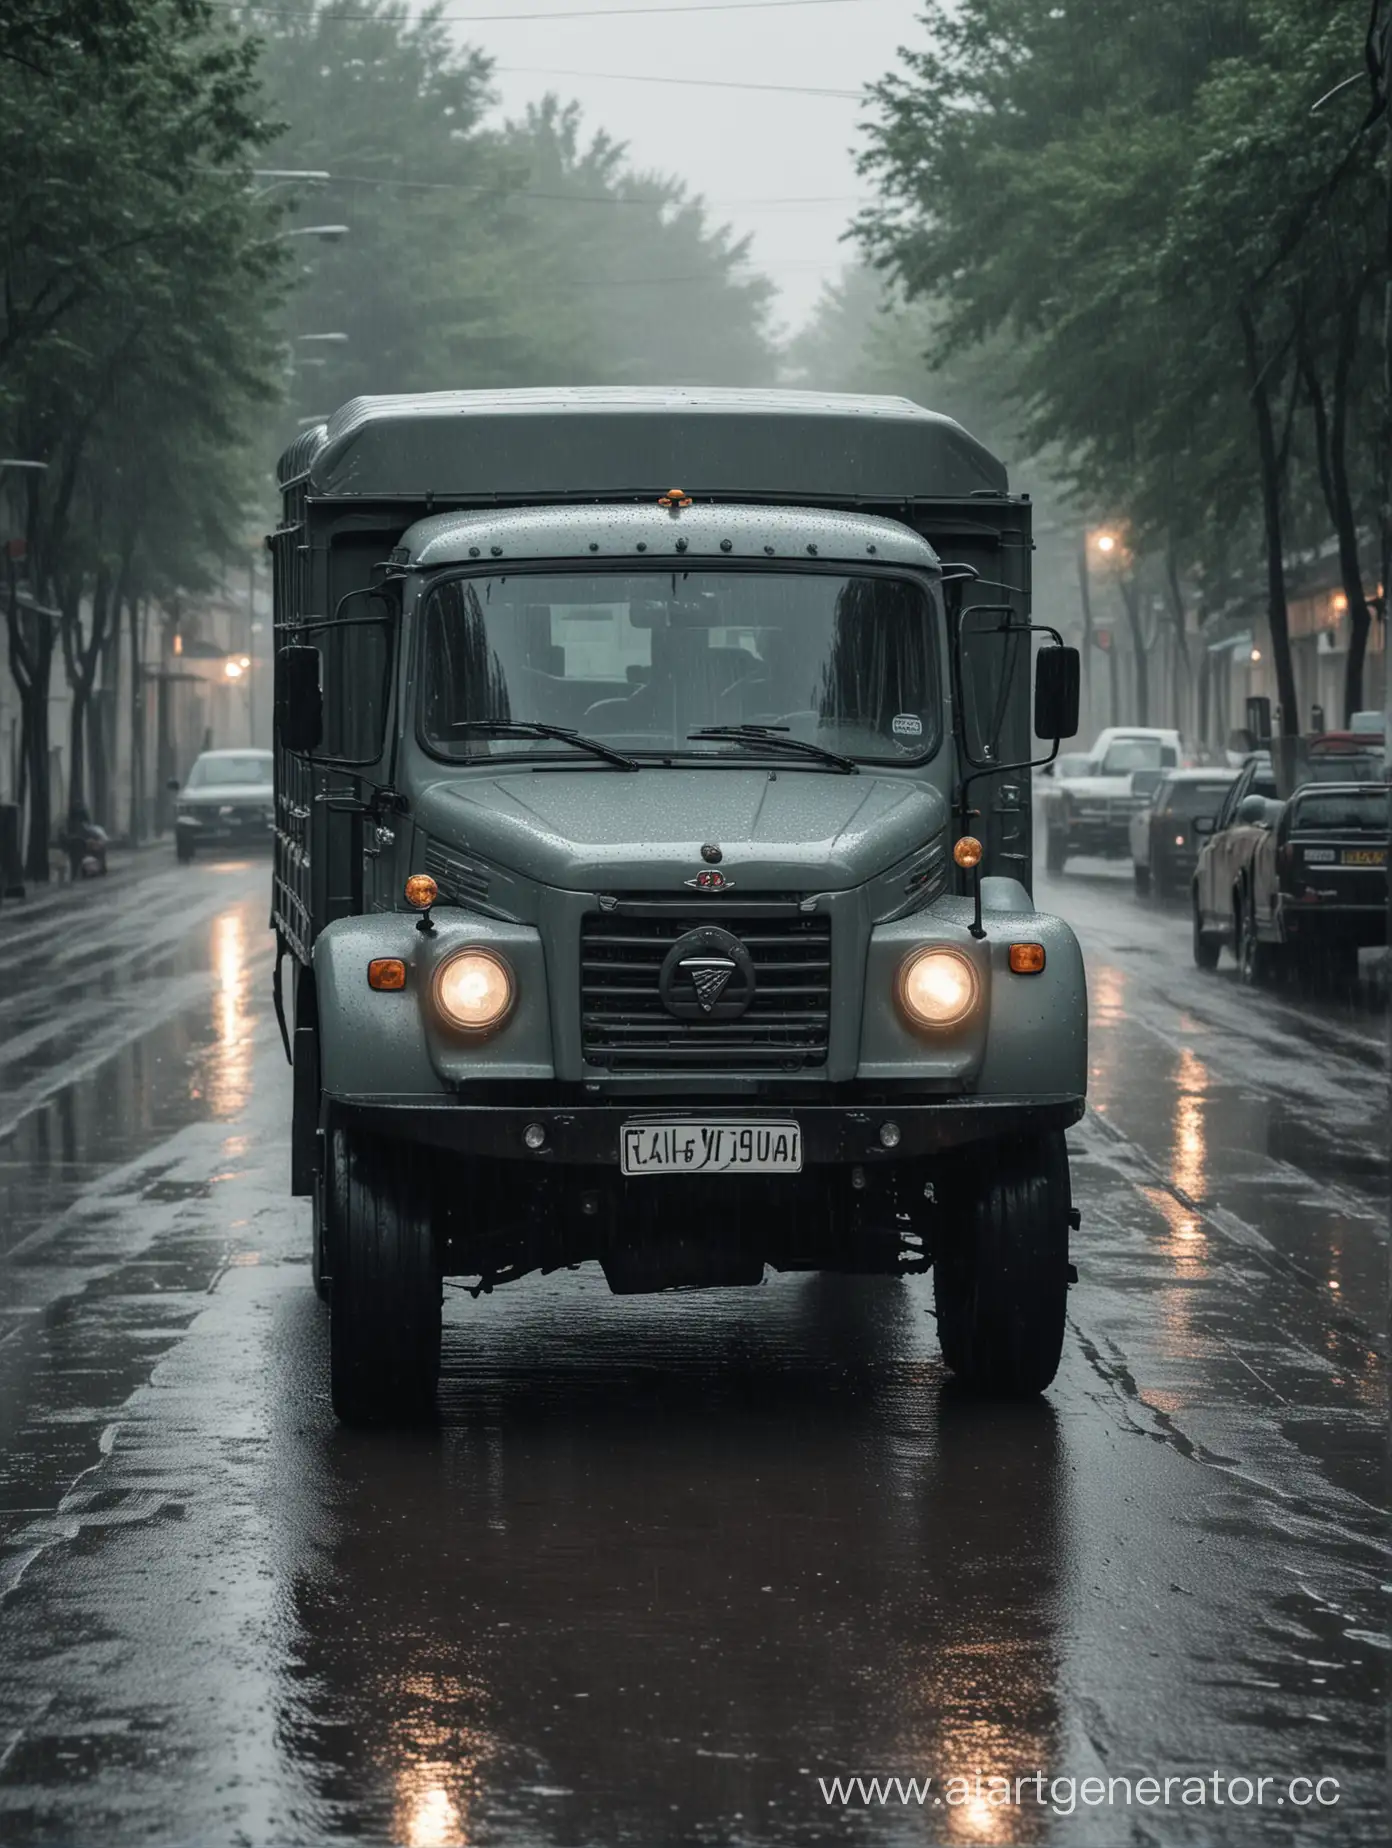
(1204, 824)
(1057, 674)
(299, 702)
(174, 785)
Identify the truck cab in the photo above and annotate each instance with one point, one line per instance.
(653, 864)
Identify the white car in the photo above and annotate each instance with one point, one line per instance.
(228, 801)
(1092, 813)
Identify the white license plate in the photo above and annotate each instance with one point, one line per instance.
(680, 1145)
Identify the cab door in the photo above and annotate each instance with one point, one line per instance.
(1214, 878)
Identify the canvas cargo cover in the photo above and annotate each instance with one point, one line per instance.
(506, 445)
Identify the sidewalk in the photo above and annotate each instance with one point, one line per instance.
(123, 864)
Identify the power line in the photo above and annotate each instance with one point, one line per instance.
(791, 201)
(597, 12)
(699, 83)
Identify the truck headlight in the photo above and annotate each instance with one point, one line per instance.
(475, 990)
(936, 987)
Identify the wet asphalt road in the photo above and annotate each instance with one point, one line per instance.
(668, 1562)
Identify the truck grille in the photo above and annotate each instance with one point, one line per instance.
(625, 1027)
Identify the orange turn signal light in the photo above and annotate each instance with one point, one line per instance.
(1027, 958)
(967, 852)
(421, 891)
(386, 972)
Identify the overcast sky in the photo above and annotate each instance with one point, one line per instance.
(750, 152)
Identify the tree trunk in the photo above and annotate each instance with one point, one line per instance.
(1272, 497)
(1330, 420)
(1184, 667)
(1085, 602)
(1131, 597)
(137, 721)
(30, 636)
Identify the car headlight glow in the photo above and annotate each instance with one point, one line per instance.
(937, 987)
(475, 990)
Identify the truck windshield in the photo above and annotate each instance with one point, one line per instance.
(641, 660)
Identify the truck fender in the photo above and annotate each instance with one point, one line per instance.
(392, 1045)
(1036, 1038)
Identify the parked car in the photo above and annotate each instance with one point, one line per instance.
(1230, 841)
(228, 801)
(1315, 889)
(1091, 813)
(1164, 839)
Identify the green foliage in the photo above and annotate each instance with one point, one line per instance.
(480, 257)
(1104, 185)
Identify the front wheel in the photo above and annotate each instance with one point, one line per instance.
(384, 1318)
(1000, 1273)
(1055, 850)
(183, 846)
(1141, 875)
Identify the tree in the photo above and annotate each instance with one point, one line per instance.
(479, 257)
(139, 275)
(1129, 195)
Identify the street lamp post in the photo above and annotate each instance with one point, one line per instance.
(1106, 544)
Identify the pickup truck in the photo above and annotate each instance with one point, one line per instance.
(1091, 813)
(1295, 887)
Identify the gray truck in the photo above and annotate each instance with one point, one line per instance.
(652, 863)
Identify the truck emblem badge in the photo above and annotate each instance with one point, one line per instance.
(711, 854)
(707, 974)
(709, 880)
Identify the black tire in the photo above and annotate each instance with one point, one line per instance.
(1055, 850)
(384, 1324)
(1257, 962)
(321, 1204)
(1207, 947)
(183, 847)
(1000, 1275)
(1141, 874)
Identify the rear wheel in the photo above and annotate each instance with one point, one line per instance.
(1000, 1278)
(1257, 962)
(1207, 947)
(384, 1328)
(1142, 878)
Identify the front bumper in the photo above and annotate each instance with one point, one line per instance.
(588, 1135)
(207, 829)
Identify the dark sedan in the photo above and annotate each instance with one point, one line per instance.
(1164, 844)
(228, 801)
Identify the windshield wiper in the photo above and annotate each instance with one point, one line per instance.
(778, 736)
(533, 728)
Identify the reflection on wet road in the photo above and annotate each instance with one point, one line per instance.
(668, 1562)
